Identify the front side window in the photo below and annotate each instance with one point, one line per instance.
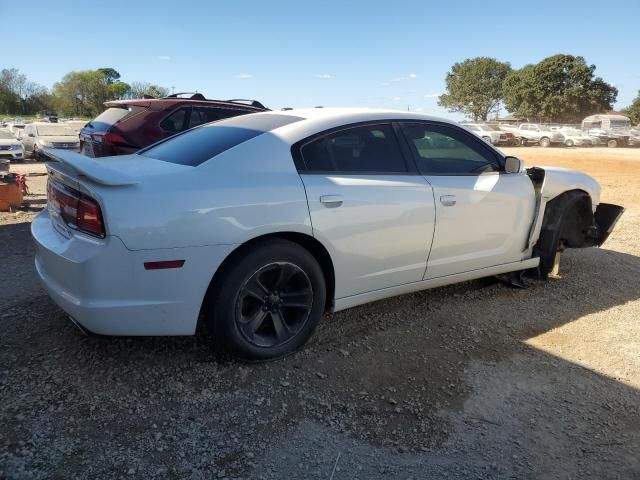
(370, 149)
(443, 150)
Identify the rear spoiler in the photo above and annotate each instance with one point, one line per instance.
(97, 171)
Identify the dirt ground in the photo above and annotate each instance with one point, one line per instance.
(477, 380)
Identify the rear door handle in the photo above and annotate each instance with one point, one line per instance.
(448, 200)
(331, 200)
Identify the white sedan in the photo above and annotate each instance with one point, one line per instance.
(259, 224)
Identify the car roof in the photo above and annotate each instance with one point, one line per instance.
(162, 103)
(315, 120)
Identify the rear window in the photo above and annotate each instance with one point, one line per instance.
(113, 115)
(200, 144)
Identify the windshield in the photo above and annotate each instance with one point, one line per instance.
(202, 143)
(54, 129)
(112, 115)
(4, 135)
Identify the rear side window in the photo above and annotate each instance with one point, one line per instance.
(113, 115)
(367, 149)
(200, 115)
(200, 144)
(175, 122)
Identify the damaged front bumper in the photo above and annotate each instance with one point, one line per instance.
(606, 216)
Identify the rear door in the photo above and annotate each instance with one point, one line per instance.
(368, 205)
(483, 215)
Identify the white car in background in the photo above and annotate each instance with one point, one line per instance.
(577, 138)
(489, 134)
(40, 135)
(260, 223)
(10, 146)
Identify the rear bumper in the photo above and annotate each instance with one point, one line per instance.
(606, 217)
(104, 287)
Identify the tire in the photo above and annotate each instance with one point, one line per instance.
(254, 314)
(569, 143)
(523, 141)
(487, 139)
(545, 142)
(613, 143)
(35, 155)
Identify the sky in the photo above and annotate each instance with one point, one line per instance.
(372, 53)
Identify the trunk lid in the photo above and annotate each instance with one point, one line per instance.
(111, 171)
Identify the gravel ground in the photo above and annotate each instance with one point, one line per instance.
(476, 380)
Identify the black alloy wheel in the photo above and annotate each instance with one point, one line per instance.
(267, 301)
(274, 304)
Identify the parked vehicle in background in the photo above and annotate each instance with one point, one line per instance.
(531, 133)
(15, 127)
(40, 135)
(75, 125)
(490, 134)
(613, 130)
(263, 222)
(576, 138)
(129, 125)
(10, 146)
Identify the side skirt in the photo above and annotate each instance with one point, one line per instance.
(355, 300)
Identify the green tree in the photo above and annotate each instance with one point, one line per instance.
(474, 87)
(633, 110)
(560, 88)
(84, 93)
(139, 89)
(19, 96)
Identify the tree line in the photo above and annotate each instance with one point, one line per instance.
(560, 88)
(77, 94)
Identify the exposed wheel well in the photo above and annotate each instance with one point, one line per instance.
(312, 245)
(572, 213)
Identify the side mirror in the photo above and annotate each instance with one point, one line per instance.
(513, 165)
(32, 134)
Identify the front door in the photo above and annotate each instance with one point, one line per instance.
(483, 215)
(369, 206)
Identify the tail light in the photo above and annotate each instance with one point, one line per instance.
(78, 210)
(105, 137)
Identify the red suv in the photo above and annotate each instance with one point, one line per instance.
(129, 125)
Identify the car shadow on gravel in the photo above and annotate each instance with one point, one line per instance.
(438, 382)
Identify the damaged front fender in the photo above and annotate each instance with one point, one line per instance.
(606, 216)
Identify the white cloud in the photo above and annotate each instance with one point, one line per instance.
(386, 84)
(244, 75)
(411, 76)
(432, 95)
(164, 57)
(326, 76)
(396, 99)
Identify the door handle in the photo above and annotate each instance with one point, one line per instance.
(331, 200)
(448, 200)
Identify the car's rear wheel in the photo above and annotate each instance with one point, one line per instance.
(36, 154)
(613, 143)
(523, 141)
(569, 143)
(487, 139)
(268, 302)
(545, 142)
